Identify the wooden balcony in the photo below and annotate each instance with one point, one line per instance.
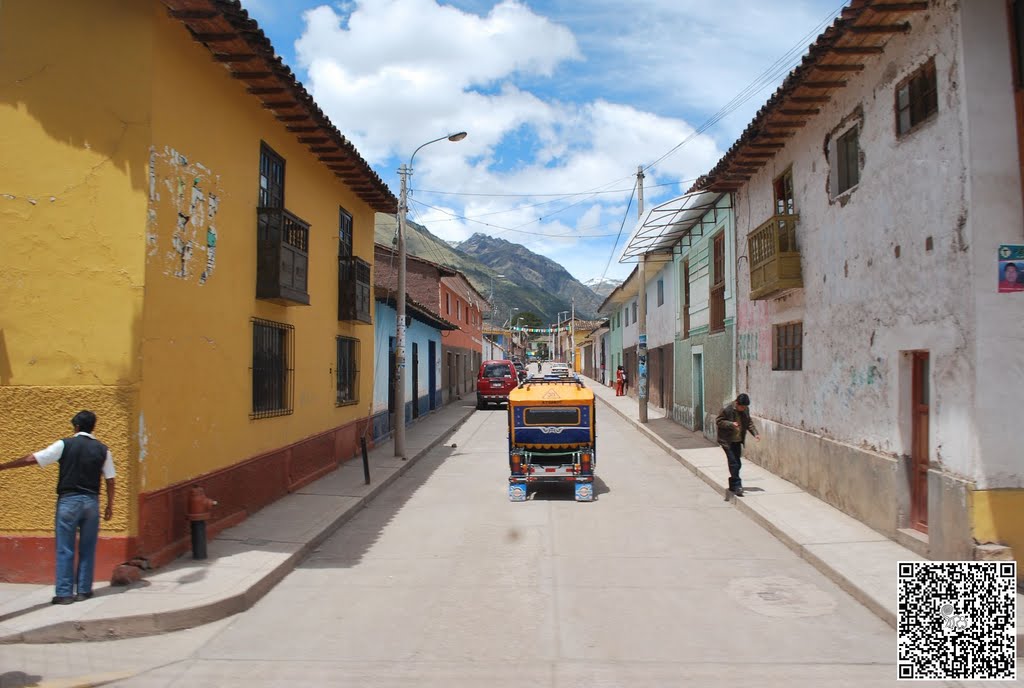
(282, 257)
(774, 257)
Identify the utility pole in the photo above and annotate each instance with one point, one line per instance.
(572, 336)
(400, 332)
(641, 348)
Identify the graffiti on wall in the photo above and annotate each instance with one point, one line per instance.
(185, 195)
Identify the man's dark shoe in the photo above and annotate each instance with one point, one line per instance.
(738, 492)
(62, 599)
(83, 596)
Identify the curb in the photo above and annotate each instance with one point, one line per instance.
(117, 628)
(823, 567)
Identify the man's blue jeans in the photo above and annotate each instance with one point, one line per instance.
(733, 452)
(77, 514)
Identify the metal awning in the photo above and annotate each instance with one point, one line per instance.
(673, 222)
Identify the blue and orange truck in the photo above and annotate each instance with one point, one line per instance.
(552, 436)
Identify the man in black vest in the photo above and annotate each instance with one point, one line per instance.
(83, 460)
(733, 424)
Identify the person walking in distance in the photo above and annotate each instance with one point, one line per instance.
(82, 460)
(733, 424)
(620, 382)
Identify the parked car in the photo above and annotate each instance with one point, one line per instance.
(494, 382)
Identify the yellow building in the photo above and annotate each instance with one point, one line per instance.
(187, 251)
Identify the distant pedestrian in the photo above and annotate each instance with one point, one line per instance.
(733, 424)
(620, 382)
(83, 461)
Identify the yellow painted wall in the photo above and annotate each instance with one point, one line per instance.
(196, 393)
(74, 128)
(998, 517)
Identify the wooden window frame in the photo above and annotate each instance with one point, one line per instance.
(921, 100)
(346, 371)
(788, 346)
(661, 292)
(783, 193)
(271, 194)
(716, 296)
(686, 299)
(847, 162)
(344, 233)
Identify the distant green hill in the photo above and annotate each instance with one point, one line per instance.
(521, 285)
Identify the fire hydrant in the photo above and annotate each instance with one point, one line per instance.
(198, 512)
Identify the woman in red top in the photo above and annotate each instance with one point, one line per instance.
(620, 382)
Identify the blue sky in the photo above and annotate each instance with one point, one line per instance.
(562, 102)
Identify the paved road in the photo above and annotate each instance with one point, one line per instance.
(443, 582)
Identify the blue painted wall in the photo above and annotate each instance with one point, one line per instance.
(385, 321)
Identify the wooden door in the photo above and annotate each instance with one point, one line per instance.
(415, 380)
(920, 401)
(1015, 10)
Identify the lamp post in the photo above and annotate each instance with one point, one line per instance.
(403, 208)
(558, 336)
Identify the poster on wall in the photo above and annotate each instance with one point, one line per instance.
(1011, 268)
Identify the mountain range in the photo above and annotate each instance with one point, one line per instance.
(520, 278)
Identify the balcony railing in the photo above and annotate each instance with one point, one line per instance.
(282, 259)
(354, 290)
(774, 257)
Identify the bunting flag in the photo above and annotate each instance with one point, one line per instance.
(539, 330)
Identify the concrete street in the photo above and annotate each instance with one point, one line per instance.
(443, 582)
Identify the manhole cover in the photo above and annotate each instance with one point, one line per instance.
(781, 597)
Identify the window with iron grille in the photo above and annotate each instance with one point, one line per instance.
(847, 159)
(917, 98)
(347, 371)
(354, 290)
(789, 346)
(717, 300)
(273, 346)
(661, 292)
(344, 234)
(686, 299)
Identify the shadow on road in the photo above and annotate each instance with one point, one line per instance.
(565, 493)
(19, 679)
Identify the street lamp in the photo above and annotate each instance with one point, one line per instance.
(558, 335)
(403, 208)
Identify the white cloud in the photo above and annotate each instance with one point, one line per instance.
(546, 108)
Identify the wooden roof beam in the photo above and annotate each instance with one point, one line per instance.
(334, 158)
(187, 15)
(308, 140)
(234, 57)
(799, 112)
(884, 7)
(270, 91)
(839, 67)
(280, 104)
(767, 145)
(809, 99)
(856, 50)
(246, 76)
(822, 84)
(215, 37)
(302, 129)
(754, 154)
(880, 28)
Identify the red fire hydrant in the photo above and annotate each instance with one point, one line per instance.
(198, 512)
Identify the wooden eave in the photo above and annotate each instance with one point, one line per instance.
(238, 45)
(858, 36)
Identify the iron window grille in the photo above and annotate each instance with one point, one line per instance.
(347, 371)
(273, 373)
(917, 98)
(789, 346)
(354, 290)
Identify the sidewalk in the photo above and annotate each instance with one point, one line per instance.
(859, 559)
(244, 562)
